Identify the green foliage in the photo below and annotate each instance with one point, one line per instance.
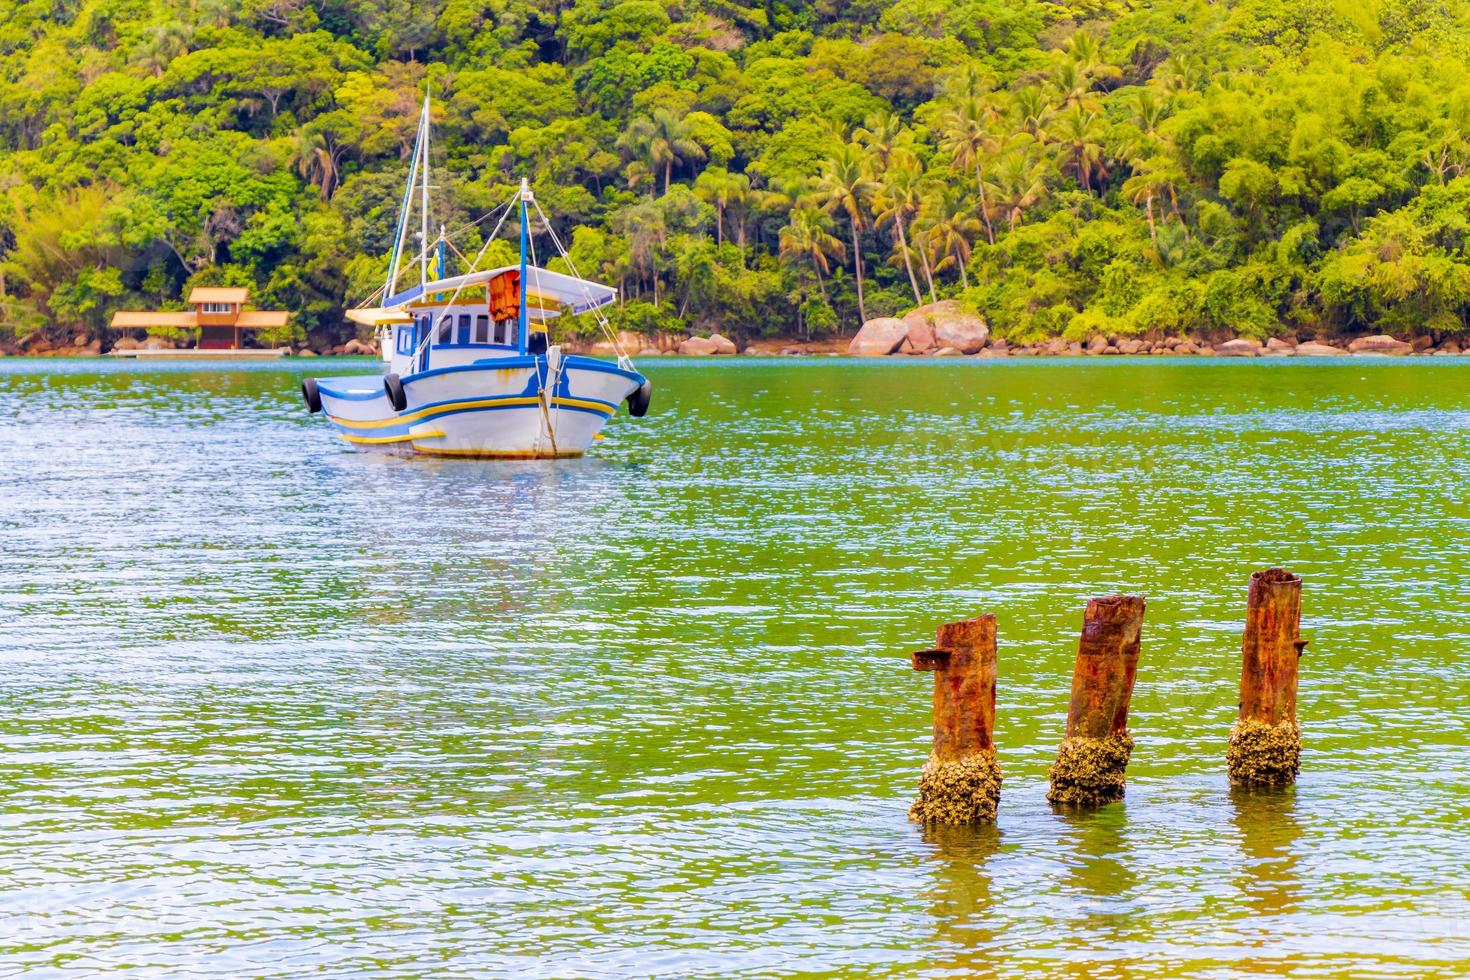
(1079, 168)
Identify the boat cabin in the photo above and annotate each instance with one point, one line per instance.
(475, 317)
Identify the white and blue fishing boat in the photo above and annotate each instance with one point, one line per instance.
(471, 369)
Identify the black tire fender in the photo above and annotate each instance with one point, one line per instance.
(393, 387)
(312, 395)
(640, 399)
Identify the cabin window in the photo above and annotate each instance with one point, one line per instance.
(446, 330)
(405, 339)
(462, 336)
(505, 333)
(482, 329)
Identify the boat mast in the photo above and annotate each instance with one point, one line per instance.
(424, 199)
(400, 232)
(525, 319)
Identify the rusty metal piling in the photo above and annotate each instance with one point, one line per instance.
(1092, 760)
(1266, 740)
(960, 783)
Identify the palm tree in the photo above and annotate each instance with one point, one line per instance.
(1084, 52)
(725, 190)
(1153, 179)
(844, 185)
(969, 81)
(662, 141)
(899, 196)
(1079, 132)
(162, 44)
(965, 135)
(1018, 180)
(809, 238)
(673, 143)
(951, 225)
(318, 159)
(1072, 85)
(1033, 111)
(883, 134)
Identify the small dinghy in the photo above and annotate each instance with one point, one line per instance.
(471, 370)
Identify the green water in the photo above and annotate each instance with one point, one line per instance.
(271, 707)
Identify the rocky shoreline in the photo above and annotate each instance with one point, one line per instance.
(941, 329)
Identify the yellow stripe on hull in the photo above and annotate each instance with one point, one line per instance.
(384, 440)
(422, 413)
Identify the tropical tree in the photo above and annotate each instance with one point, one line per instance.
(950, 225)
(1079, 134)
(1018, 180)
(883, 135)
(966, 135)
(726, 191)
(899, 195)
(844, 185)
(808, 238)
(662, 141)
(1154, 179)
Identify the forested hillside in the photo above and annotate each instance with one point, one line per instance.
(1256, 167)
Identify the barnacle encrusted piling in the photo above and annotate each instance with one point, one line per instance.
(1090, 771)
(1264, 755)
(963, 791)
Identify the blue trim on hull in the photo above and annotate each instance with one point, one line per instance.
(327, 386)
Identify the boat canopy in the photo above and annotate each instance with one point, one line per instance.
(377, 316)
(543, 285)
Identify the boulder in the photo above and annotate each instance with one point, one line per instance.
(1449, 347)
(921, 331)
(946, 324)
(949, 352)
(1379, 344)
(649, 352)
(1129, 346)
(723, 345)
(1280, 346)
(125, 343)
(1422, 343)
(1314, 349)
(879, 336)
(155, 343)
(1097, 344)
(355, 346)
(1239, 347)
(306, 352)
(698, 347)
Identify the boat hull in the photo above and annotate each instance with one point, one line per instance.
(526, 407)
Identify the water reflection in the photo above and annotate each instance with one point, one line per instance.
(1265, 819)
(958, 896)
(1094, 843)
